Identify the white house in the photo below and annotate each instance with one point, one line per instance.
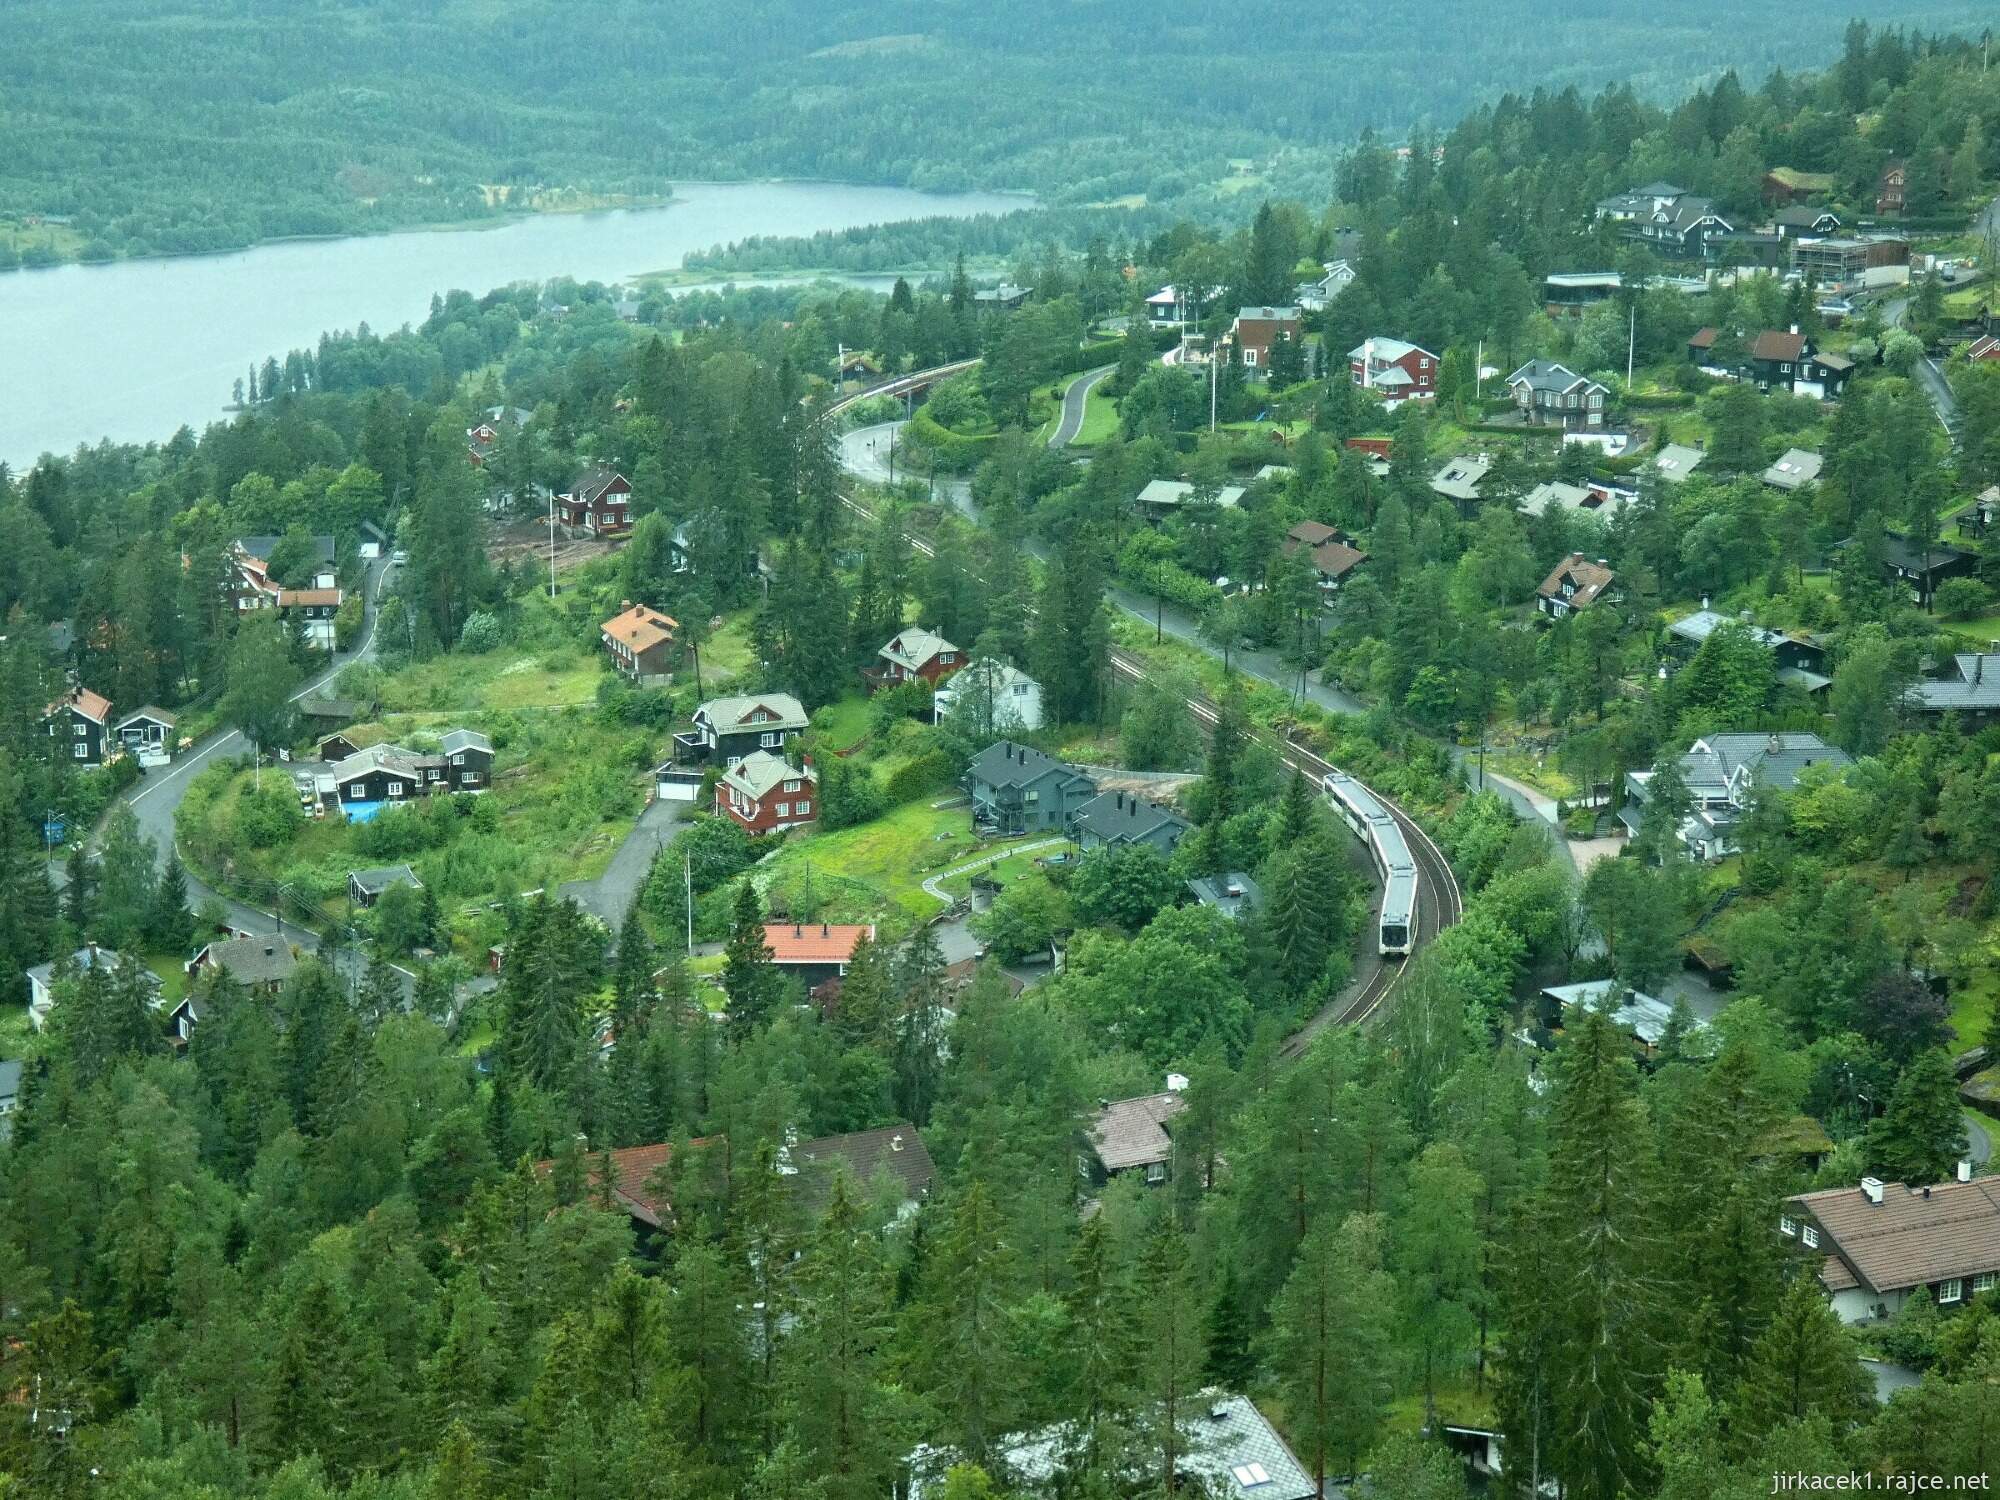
(41, 981)
(997, 697)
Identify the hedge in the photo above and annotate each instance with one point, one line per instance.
(1662, 401)
(918, 776)
(955, 452)
(1174, 582)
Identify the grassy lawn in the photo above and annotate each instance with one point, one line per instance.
(504, 680)
(1527, 768)
(1100, 419)
(874, 872)
(843, 724)
(566, 789)
(1006, 870)
(729, 652)
(1972, 1007)
(1979, 630)
(17, 1037)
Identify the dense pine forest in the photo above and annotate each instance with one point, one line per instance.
(159, 126)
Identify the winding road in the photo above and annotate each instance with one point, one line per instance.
(1076, 403)
(1440, 902)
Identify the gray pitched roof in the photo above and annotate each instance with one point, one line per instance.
(1676, 461)
(1773, 760)
(1460, 478)
(90, 956)
(150, 711)
(761, 771)
(395, 759)
(1231, 894)
(458, 740)
(1547, 375)
(381, 877)
(10, 1078)
(1115, 816)
(726, 715)
(1180, 492)
(1554, 493)
(1976, 686)
(1007, 764)
(261, 547)
(913, 646)
(1795, 468)
(254, 960)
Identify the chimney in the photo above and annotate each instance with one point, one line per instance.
(798, 931)
(1871, 1189)
(1704, 601)
(1965, 1169)
(825, 931)
(1978, 667)
(896, 1141)
(1775, 744)
(624, 603)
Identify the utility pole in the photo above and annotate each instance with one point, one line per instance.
(1211, 388)
(552, 544)
(1631, 342)
(687, 879)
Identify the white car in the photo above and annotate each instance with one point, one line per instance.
(152, 758)
(399, 557)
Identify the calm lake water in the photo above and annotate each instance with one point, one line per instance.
(132, 350)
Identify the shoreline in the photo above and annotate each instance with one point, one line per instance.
(505, 217)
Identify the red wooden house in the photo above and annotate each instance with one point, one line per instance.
(599, 500)
(765, 793)
(1400, 371)
(640, 641)
(914, 653)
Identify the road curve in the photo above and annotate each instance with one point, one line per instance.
(1440, 901)
(1076, 403)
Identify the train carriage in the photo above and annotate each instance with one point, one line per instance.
(1368, 820)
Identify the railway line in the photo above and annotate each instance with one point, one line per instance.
(1438, 900)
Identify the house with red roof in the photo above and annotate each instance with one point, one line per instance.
(814, 951)
(912, 655)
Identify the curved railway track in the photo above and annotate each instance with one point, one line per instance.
(1439, 902)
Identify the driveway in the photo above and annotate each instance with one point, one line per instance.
(610, 896)
(1076, 400)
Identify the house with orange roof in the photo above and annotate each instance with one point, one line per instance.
(641, 641)
(636, 1185)
(814, 951)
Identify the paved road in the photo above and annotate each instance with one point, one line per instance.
(611, 895)
(864, 453)
(1076, 401)
(1928, 375)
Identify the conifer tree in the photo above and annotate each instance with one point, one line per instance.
(1172, 1329)
(1804, 1364)
(631, 977)
(747, 976)
(1603, 1349)
(1329, 1345)
(1921, 1134)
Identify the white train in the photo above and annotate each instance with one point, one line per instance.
(1368, 820)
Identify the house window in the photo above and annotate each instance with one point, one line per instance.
(804, 808)
(83, 752)
(1249, 356)
(767, 740)
(1810, 1236)
(947, 656)
(1951, 1291)
(473, 778)
(1156, 1172)
(1787, 1224)
(1983, 1282)
(791, 786)
(80, 730)
(784, 809)
(395, 789)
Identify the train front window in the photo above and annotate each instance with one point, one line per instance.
(1395, 935)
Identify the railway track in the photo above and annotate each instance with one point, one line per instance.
(1440, 902)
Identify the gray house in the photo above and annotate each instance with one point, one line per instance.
(367, 886)
(1971, 690)
(1019, 789)
(1113, 818)
(1721, 772)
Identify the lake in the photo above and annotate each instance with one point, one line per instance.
(133, 349)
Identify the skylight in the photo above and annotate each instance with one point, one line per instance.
(1251, 1475)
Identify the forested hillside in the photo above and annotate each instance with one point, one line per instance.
(174, 125)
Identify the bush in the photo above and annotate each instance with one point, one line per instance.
(269, 817)
(481, 633)
(926, 773)
(1962, 598)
